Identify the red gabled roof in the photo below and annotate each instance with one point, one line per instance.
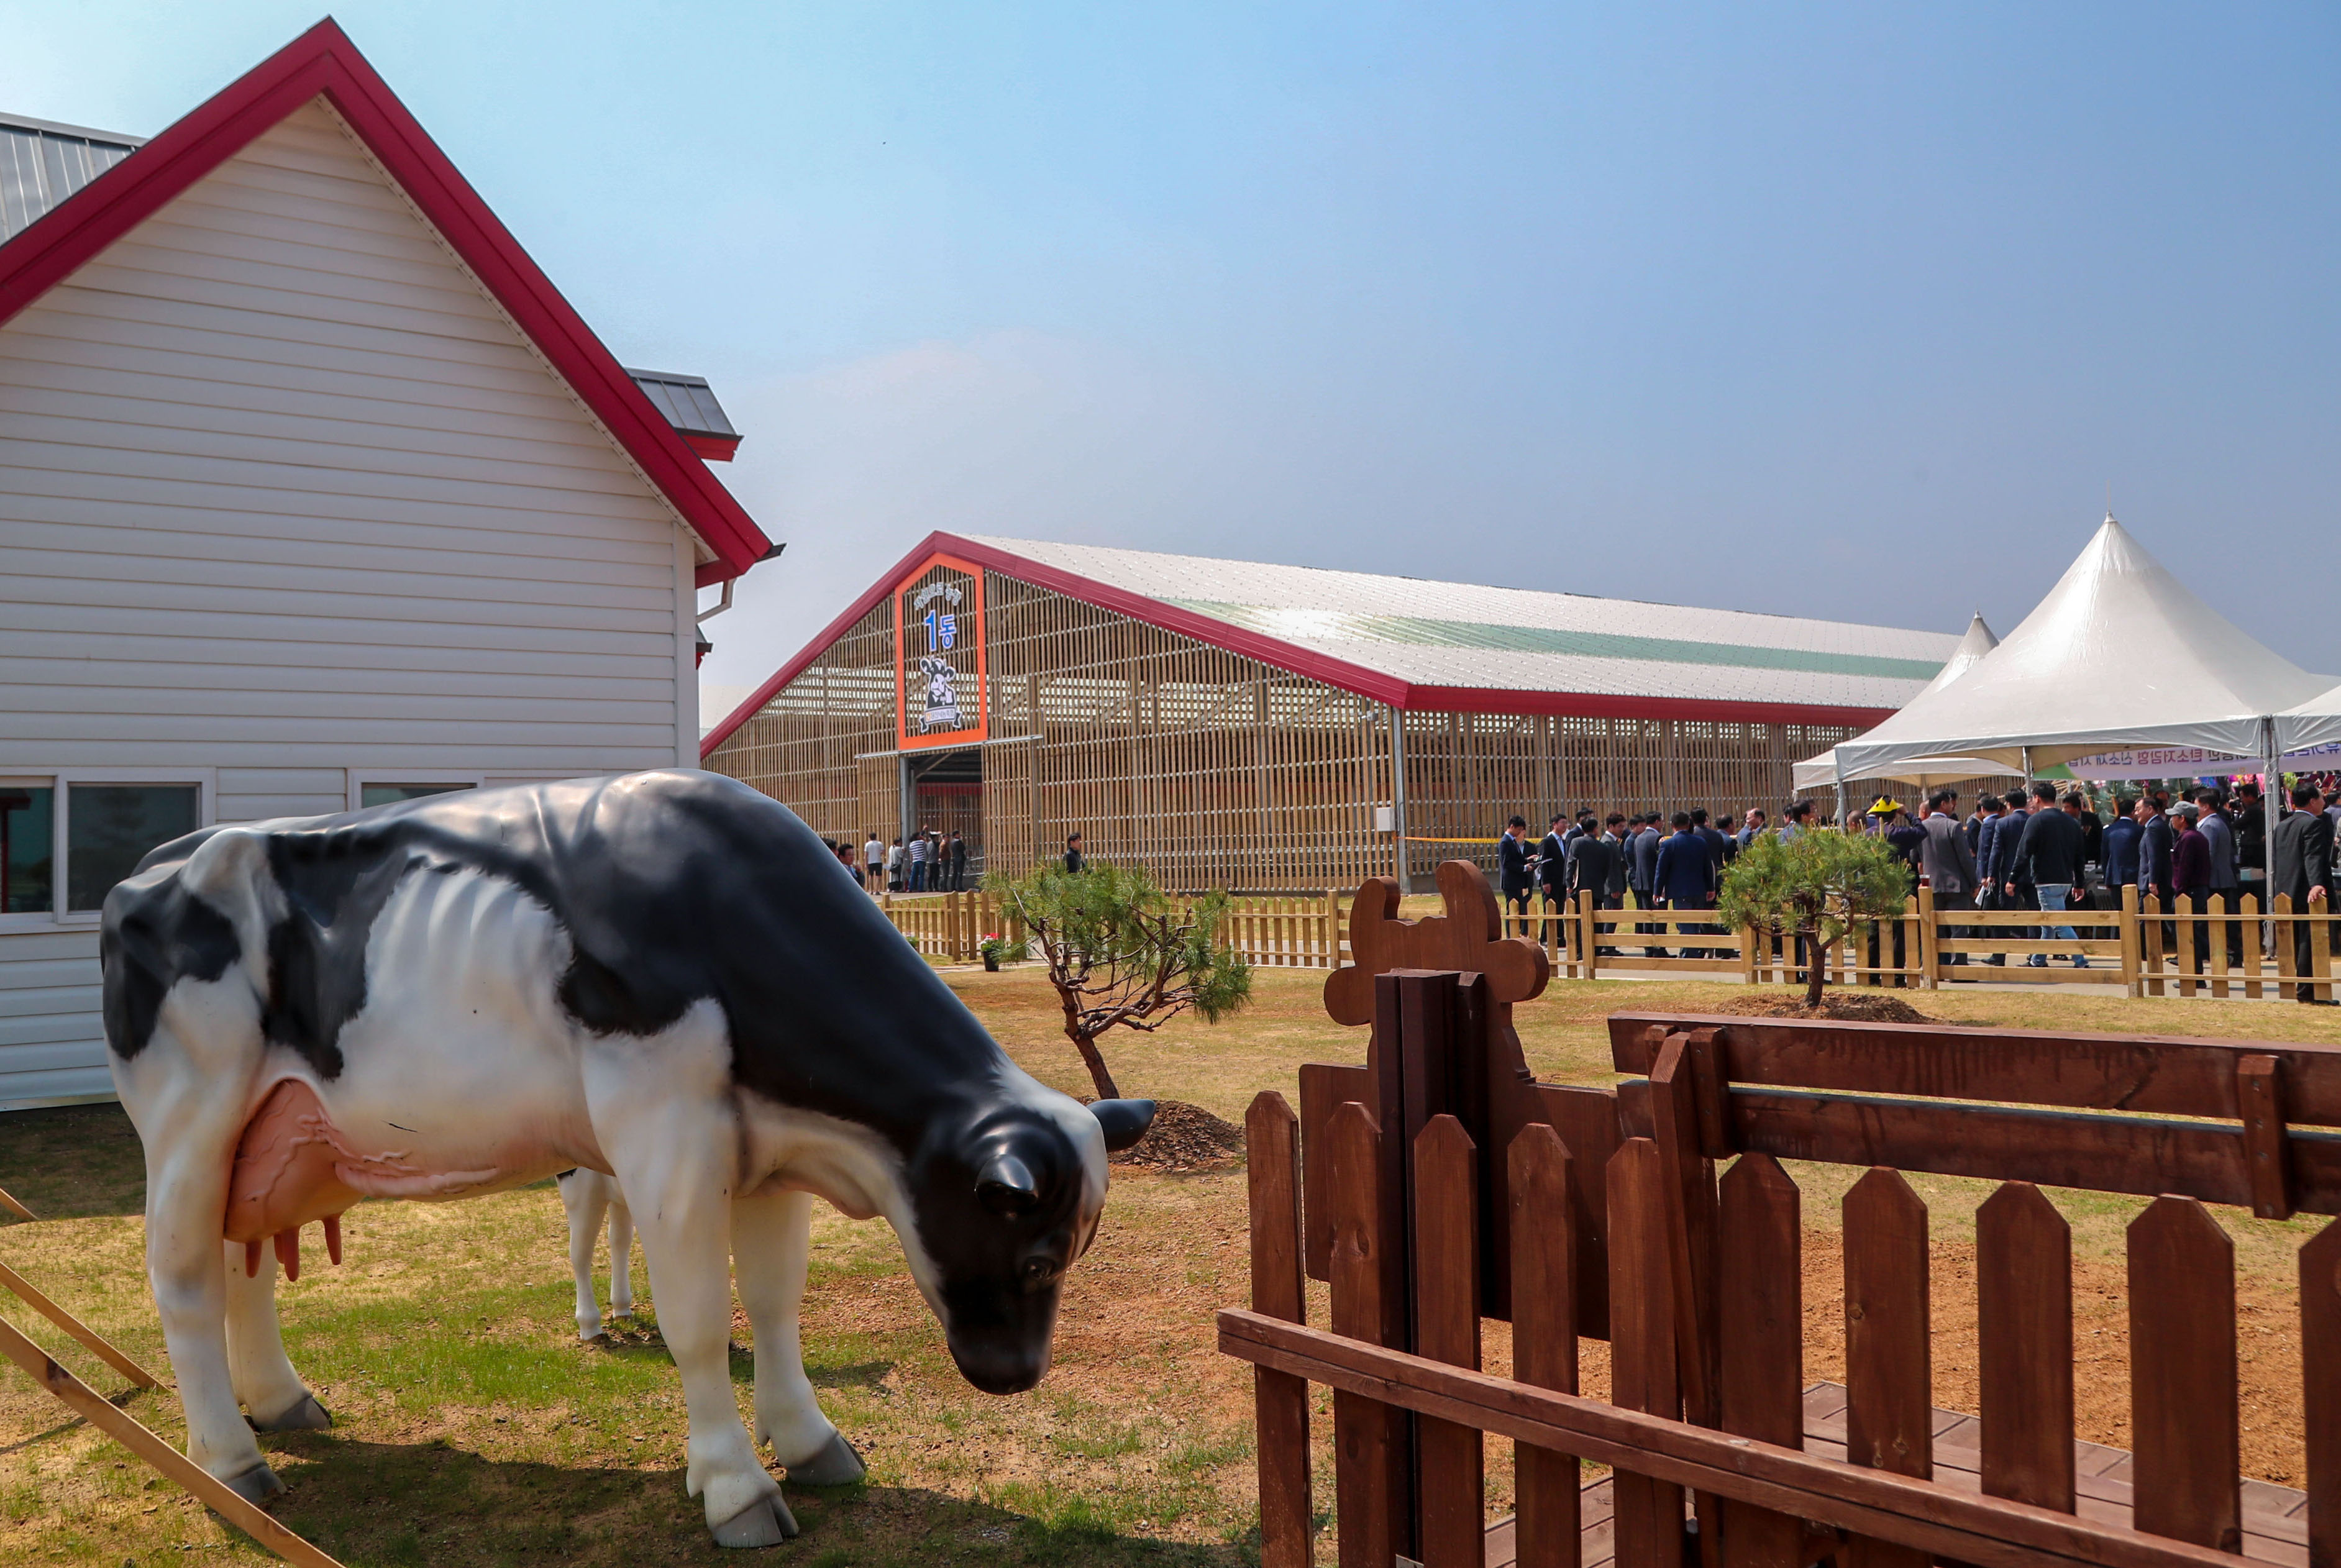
(1379, 685)
(324, 61)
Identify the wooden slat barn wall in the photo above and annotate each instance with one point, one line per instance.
(824, 745)
(1214, 769)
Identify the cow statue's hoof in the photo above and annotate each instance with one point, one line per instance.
(255, 1485)
(766, 1522)
(837, 1464)
(305, 1415)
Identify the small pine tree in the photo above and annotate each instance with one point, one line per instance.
(1120, 954)
(1820, 885)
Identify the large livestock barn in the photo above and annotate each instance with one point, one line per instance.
(314, 493)
(1255, 726)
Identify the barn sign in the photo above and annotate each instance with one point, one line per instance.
(941, 696)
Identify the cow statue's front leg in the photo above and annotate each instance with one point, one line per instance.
(771, 1239)
(263, 1374)
(586, 1195)
(674, 1154)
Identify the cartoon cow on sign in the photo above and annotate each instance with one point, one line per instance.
(663, 978)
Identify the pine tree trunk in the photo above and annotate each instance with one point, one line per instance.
(1099, 1075)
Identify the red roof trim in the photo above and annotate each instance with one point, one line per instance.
(324, 61)
(1283, 655)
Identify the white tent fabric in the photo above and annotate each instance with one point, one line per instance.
(2314, 723)
(2119, 653)
(1922, 772)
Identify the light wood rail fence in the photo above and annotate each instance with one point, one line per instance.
(2139, 951)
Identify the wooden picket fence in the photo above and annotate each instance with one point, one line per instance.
(2143, 951)
(951, 926)
(2139, 948)
(1302, 932)
(1707, 1428)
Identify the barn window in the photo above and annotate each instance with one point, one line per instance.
(109, 827)
(27, 848)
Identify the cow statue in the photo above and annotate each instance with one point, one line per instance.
(585, 1197)
(663, 978)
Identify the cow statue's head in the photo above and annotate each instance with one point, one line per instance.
(1002, 1208)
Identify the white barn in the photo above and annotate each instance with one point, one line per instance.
(314, 492)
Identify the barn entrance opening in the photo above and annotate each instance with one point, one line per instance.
(944, 794)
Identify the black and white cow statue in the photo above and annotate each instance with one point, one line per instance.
(663, 978)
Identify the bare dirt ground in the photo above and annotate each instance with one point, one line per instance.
(473, 1428)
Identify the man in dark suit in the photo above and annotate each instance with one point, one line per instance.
(1643, 873)
(1687, 873)
(1592, 859)
(1619, 835)
(1551, 868)
(2157, 841)
(2303, 871)
(1512, 874)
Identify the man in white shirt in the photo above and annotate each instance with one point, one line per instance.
(873, 854)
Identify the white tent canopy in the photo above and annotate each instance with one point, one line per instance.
(2314, 723)
(2119, 653)
(1920, 772)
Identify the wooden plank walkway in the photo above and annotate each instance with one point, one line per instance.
(2275, 1518)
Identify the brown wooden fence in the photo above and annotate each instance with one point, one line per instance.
(1701, 1290)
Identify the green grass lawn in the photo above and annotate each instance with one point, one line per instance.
(473, 1428)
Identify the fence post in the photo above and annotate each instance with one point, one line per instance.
(1280, 1399)
(1452, 1462)
(1544, 1339)
(1648, 1512)
(2251, 938)
(2129, 934)
(1930, 969)
(2149, 932)
(1588, 954)
(1373, 1478)
(2280, 907)
(2320, 955)
(1332, 928)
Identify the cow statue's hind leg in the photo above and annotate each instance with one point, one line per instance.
(208, 1034)
(771, 1239)
(663, 1112)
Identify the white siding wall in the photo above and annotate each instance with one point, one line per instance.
(284, 494)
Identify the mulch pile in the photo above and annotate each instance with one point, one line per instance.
(1185, 1137)
(1842, 1006)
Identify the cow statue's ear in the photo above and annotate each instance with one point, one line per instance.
(1124, 1121)
(1006, 1187)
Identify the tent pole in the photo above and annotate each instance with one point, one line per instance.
(2028, 769)
(2271, 806)
(1838, 762)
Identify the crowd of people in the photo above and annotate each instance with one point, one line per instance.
(2044, 847)
(933, 861)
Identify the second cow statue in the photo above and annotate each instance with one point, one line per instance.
(664, 978)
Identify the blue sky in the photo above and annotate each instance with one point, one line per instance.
(1843, 311)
